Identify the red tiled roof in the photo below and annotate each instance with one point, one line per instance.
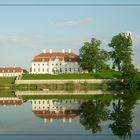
(10, 69)
(45, 57)
(48, 115)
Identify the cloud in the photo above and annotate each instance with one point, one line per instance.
(136, 40)
(18, 41)
(136, 48)
(75, 23)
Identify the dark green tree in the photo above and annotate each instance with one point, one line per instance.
(121, 50)
(129, 76)
(92, 57)
(92, 113)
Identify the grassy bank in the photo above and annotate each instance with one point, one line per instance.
(84, 97)
(98, 75)
(7, 93)
(7, 80)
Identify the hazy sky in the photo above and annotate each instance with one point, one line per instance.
(26, 30)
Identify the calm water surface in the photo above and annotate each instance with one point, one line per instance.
(77, 119)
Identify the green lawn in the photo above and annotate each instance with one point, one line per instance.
(6, 93)
(101, 75)
(7, 80)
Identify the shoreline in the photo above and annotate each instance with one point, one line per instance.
(64, 81)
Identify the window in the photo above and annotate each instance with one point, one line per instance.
(38, 70)
(42, 64)
(70, 69)
(38, 64)
(42, 70)
(34, 70)
(34, 64)
(60, 69)
(65, 69)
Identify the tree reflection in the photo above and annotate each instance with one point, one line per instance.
(122, 115)
(92, 113)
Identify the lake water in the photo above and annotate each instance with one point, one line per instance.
(70, 119)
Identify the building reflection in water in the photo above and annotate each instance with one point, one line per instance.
(10, 101)
(51, 110)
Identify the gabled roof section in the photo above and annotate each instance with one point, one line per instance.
(10, 69)
(66, 56)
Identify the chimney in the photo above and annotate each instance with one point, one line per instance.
(63, 51)
(69, 51)
(44, 51)
(50, 50)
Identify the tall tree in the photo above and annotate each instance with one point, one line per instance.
(129, 76)
(92, 57)
(121, 45)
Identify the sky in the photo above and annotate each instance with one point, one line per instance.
(26, 31)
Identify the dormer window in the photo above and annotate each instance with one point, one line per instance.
(43, 60)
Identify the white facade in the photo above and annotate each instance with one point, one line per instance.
(53, 66)
(10, 74)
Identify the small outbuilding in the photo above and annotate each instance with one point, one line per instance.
(10, 71)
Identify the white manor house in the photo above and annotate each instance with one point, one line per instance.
(55, 62)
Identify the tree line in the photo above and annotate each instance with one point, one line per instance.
(93, 58)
